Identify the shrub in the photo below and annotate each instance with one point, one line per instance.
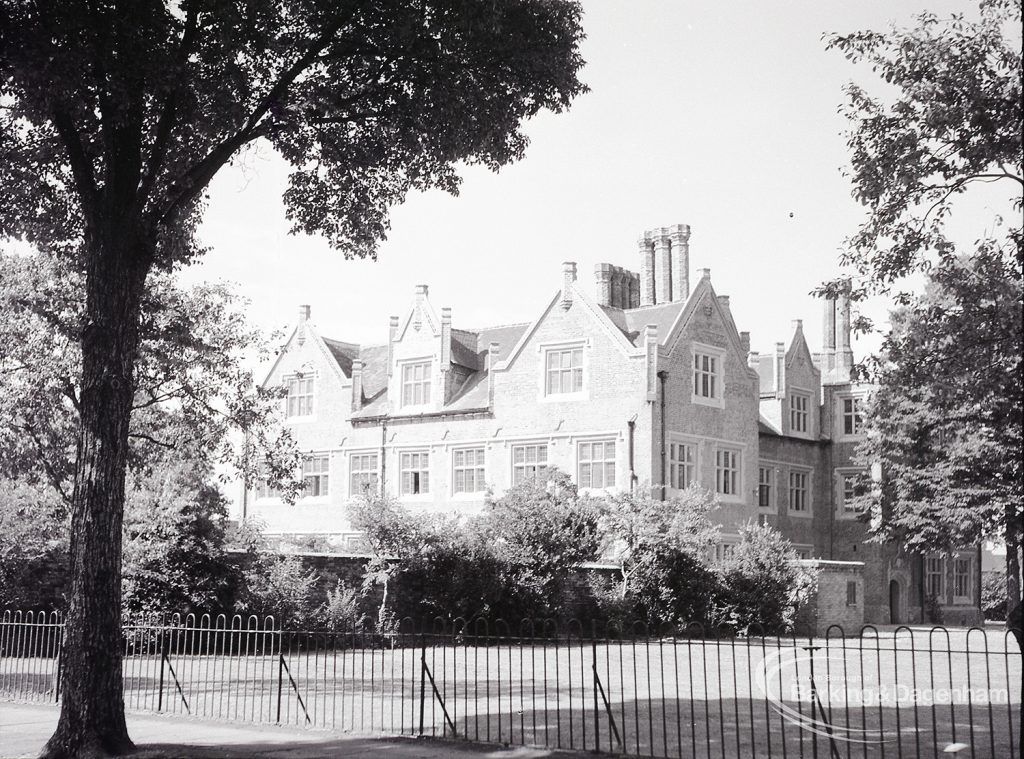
(174, 536)
(33, 548)
(510, 562)
(762, 583)
(539, 531)
(279, 586)
(993, 595)
(342, 611)
(663, 549)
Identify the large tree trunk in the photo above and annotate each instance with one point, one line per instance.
(92, 722)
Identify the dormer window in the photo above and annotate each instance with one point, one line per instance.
(416, 383)
(299, 401)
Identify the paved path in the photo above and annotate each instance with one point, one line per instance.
(24, 728)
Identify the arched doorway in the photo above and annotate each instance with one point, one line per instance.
(895, 611)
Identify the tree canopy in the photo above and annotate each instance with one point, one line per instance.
(949, 121)
(121, 112)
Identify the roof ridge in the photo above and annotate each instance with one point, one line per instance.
(500, 326)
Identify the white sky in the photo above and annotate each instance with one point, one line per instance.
(720, 115)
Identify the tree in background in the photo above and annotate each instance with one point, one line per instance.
(118, 114)
(946, 423)
(33, 547)
(174, 540)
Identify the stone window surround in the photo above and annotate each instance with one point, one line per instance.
(480, 464)
(768, 482)
(718, 354)
(426, 383)
(423, 466)
(273, 495)
(677, 438)
(322, 476)
(808, 511)
(547, 347)
(968, 581)
(931, 561)
(604, 441)
(840, 401)
(352, 471)
(538, 465)
(840, 475)
(286, 379)
(738, 451)
(807, 412)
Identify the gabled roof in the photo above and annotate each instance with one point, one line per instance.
(798, 347)
(339, 355)
(601, 320)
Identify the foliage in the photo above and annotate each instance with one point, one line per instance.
(280, 587)
(632, 523)
(540, 529)
(953, 123)
(341, 612)
(365, 102)
(946, 422)
(663, 549)
(33, 545)
(993, 594)
(173, 546)
(762, 584)
(510, 562)
(190, 388)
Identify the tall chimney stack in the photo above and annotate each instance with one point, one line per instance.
(603, 279)
(568, 278)
(662, 268)
(680, 237)
(646, 247)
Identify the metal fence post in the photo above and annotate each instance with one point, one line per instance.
(597, 712)
(160, 696)
(423, 678)
(280, 679)
(60, 664)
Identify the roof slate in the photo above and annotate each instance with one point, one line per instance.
(633, 321)
(469, 349)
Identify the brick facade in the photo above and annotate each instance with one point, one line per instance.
(642, 385)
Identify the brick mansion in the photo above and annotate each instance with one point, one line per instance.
(637, 380)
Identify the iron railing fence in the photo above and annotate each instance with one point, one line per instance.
(708, 694)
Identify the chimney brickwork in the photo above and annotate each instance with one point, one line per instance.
(662, 269)
(616, 287)
(357, 385)
(664, 265)
(836, 358)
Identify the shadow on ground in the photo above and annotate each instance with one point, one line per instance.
(348, 747)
